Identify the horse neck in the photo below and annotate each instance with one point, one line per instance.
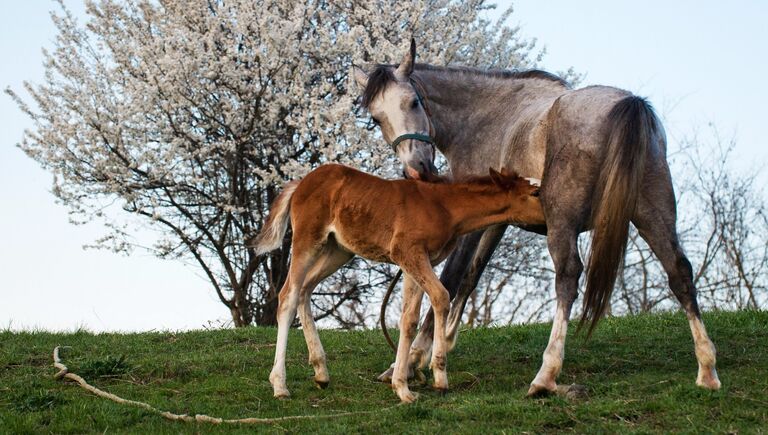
(473, 113)
(473, 207)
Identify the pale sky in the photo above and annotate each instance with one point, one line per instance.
(697, 62)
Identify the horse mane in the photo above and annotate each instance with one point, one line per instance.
(495, 73)
(383, 75)
(378, 80)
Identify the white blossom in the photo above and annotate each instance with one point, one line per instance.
(193, 113)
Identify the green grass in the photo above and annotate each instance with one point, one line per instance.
(639, 372)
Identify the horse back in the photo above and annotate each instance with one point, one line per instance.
(577, 136)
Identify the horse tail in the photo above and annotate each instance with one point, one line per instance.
(271, 235)
(632, 125)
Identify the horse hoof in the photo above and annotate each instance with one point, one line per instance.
(709, 382)
(419, 376)
(536, 391)
(386, 376)
(408, 397)
(322, 384)
(282, 395)
(441, 391)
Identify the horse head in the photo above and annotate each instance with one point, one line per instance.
(397, 107)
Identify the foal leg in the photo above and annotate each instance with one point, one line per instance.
(453, 272)
(329, 262)
(409, 319)
(655, 220)
(562, 243)
(417, 265)
(286, 312)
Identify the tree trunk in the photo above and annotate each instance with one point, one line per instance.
(241, 308)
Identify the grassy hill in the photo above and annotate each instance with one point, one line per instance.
(639, 372)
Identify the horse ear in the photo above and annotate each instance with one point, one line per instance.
(406, 65)
(360, 76)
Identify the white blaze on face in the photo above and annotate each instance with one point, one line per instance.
(397, 116)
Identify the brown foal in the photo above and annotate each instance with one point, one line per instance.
(337, 212)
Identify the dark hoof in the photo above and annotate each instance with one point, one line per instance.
(440, 391)
(573, 391)
(322, 384)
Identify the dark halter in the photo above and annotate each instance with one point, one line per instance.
(417, 136)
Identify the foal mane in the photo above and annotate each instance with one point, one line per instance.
(508, 180)
(383, 75)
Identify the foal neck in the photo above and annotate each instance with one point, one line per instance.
(474, 205)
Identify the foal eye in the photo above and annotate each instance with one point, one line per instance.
(415, 104)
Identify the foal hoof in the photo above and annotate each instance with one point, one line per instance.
(322, 384)
(282, 395)
(536, 391)
(710, 382)
(408, 397)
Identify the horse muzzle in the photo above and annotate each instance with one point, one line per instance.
(423, 170)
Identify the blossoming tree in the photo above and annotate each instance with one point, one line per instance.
(191, 114)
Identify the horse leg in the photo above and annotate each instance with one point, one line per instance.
(409, 319)
(655, 221)
(488, 243)
(286, 312)
(331, 259)
(562, 243)
(455, 268)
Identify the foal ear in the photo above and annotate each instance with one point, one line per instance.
(360, 76)
(406, 65)
(497, 178)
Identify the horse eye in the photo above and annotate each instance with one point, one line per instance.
(415, 104)
(371, 124)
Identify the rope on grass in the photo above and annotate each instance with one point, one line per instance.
(64, 373)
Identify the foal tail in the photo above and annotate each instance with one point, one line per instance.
(632, 125)
(271, 235)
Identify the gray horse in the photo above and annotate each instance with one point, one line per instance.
(600, 153)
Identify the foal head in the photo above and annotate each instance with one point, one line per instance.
(522, 196)
(398, 109)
